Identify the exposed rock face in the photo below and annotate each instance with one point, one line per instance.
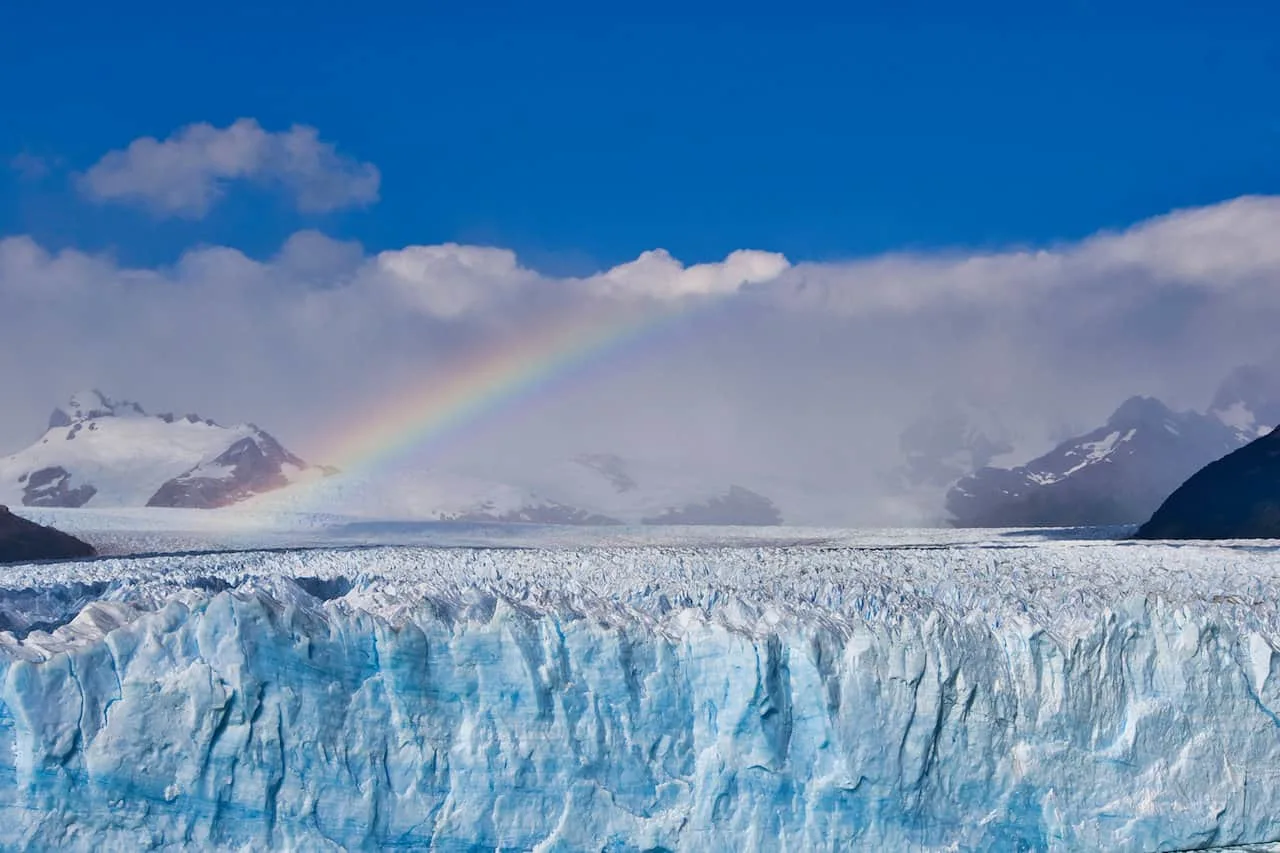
(1236, 497)
(88, 405)
(251, 466)
(1117, 474)
(52, 487)
(738, 506)
(23, 541)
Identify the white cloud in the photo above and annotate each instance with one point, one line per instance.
(30, 167)
(657, 274)
(1227, 245)
(187, 173)
(450, 280)
(804, 372)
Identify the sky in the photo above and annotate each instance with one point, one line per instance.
(281, 212)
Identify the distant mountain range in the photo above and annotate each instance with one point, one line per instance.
(590, 489)
(1122, 471)
(108, 452)
(102, 452)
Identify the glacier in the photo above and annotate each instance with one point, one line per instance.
(1004, 695)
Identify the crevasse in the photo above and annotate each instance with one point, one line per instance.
(646, 700)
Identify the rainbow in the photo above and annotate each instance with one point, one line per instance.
(491, 381)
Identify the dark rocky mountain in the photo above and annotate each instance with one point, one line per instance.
(1236, 497)
(25, 541)
(738, 506)
(1116, 474)
(251, 466)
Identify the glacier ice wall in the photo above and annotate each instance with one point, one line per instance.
(1061, 697)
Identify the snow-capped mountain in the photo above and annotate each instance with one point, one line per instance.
(109, 453)
(103, 452)
(1116, 474)
(1121, 472)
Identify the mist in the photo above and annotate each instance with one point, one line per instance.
(785, 371)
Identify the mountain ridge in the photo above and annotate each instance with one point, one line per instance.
(1120, 472)
(104, 452)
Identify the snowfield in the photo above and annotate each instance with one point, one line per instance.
(939, 690)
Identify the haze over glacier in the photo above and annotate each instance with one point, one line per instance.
(725, 393)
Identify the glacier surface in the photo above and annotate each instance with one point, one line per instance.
(988, 696)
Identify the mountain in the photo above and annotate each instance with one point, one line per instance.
(645, 491)
(103, 452)
(23, 541)
(110, 453)
(590, 489)
(1116, 474)
(1236, 497)
(252, 465)
(1121, 472)
(738, 506)
(948, 442)
(1248, 400)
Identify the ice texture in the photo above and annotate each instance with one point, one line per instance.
(1047, 696)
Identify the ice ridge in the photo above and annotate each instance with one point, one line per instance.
(1056, 697)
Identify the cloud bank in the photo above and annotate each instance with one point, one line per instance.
(187, 173)
(796, 377)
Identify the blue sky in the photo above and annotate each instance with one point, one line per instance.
(581, 137)
(886, 165)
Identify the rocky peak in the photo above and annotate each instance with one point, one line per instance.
(250, 466)
(1140, 411)
(738, 506)
(87, 405)
(1116, 474)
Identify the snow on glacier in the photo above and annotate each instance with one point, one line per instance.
(992, 696)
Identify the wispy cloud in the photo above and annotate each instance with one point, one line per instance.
(185, 174)
(30, 167)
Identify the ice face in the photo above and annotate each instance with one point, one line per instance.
(1059, 696)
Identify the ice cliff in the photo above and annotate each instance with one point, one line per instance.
(1064, 696)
